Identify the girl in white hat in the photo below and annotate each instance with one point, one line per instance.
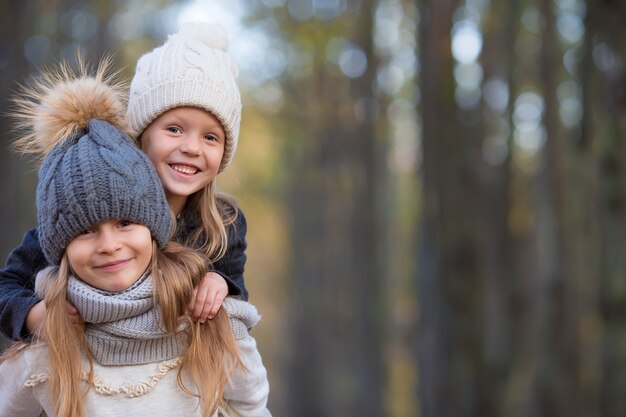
(104, 224)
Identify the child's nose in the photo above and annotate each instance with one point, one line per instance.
(108, 242)
(191, 145)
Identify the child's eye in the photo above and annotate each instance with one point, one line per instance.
(211, 138)
(87, 231)
(174, 129)
(125, 223)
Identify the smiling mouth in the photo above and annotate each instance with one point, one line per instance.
(184, 169)
(111, 266)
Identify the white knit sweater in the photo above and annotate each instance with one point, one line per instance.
(149, 390)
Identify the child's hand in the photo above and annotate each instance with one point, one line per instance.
(35, 317)
(37, 313)
(208, 297)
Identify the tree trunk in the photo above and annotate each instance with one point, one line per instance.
(450, 271)
(337, 367)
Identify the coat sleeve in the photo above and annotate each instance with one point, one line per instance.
(17, 399)
(231, 266)
(17, 280)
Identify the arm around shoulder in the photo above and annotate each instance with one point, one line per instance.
(17, 280)
(231, 266)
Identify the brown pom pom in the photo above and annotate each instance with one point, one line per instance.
(61, 103)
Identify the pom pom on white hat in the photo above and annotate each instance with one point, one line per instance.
(192, 68)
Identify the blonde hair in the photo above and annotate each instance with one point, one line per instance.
(211, 357)
(216, 211)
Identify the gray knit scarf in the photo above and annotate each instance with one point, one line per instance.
(125, 328)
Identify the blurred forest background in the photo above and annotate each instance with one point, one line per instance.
(435, 192)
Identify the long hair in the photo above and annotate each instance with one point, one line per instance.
(213, 353)
(210, 359)
(216, 211)
(66, 340)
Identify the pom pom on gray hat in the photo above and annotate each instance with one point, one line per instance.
(92, 171)
(100, 176)
(192, 68)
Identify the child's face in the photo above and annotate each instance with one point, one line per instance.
(111, 255)
(186, 145)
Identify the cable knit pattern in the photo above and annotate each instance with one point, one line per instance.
(98, 176)
(193, 68)
(124, 328)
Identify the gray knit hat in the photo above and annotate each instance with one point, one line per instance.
(193, 68)
(91, 170)
(101, 176)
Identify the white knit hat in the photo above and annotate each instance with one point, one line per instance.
(191, 69)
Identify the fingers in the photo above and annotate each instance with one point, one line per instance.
(71, 309)
(217, 304)
(207, 305)
(203, 303)
(37, 314)
(76, 319)
(209, 308)
(208, 297)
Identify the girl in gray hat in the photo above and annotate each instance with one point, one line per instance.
(188, 83)
(104, 224)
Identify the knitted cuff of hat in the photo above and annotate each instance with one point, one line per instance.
(192, 68)
(125, 328)
(243, 316)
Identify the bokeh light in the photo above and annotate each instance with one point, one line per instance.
(467, 42)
